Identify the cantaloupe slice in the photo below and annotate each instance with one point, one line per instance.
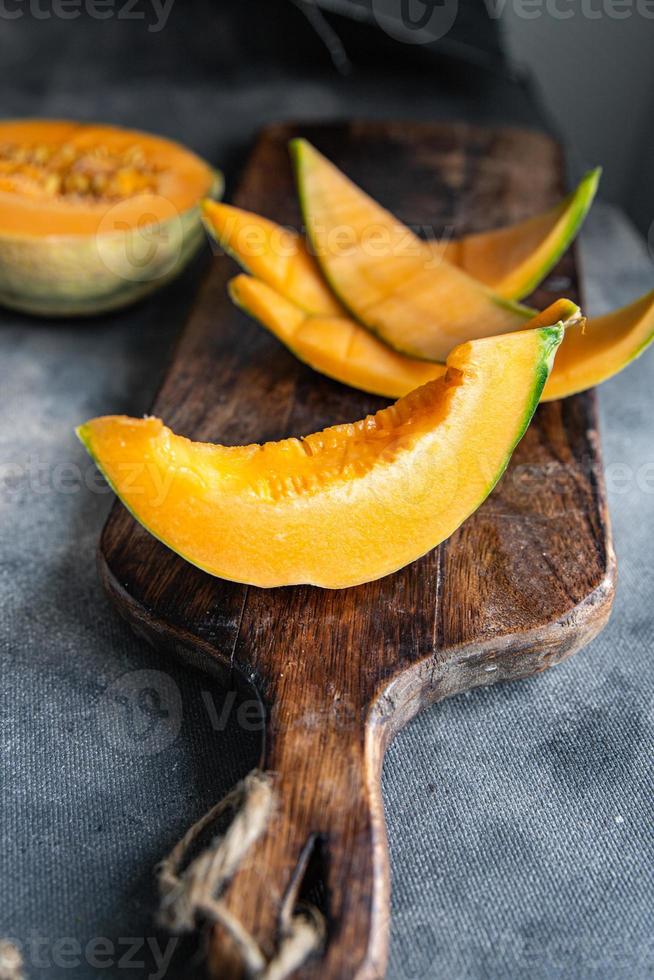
(513, 260)
(342, 349)
(276, 255)
(383, 274)
(594, 351)
(343, 506)
(337, 346)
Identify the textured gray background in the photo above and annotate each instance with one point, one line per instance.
(519, 817)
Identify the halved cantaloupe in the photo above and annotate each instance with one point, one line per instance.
(383, 273)
(343, 506)
(94, 217)
(342, 349)
(513, 260)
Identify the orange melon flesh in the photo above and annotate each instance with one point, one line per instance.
(513, 260)
(594, 351)
(27, 208)
(383, 274)
(344, 350)
(343, 506)
(276, 255)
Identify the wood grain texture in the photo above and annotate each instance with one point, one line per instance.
(525, 582)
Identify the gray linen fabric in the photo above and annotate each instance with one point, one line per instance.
(519, 817)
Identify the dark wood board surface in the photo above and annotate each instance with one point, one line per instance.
(526, 581)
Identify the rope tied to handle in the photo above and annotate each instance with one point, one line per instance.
(11, 961)
(194, 894)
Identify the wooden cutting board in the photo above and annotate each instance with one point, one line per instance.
(527, 580)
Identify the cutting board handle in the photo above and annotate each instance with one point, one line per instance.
(312, 890)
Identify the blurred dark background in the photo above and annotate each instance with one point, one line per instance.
(210, 71)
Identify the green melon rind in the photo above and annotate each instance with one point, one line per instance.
(583, 197)
(65, 275)
(637, 353)
(572, 311)
(551, 338)
(642, 347)
(512, 305)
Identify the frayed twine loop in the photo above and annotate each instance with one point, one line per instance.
(191, 896)
(194, 891)
(11, 961)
